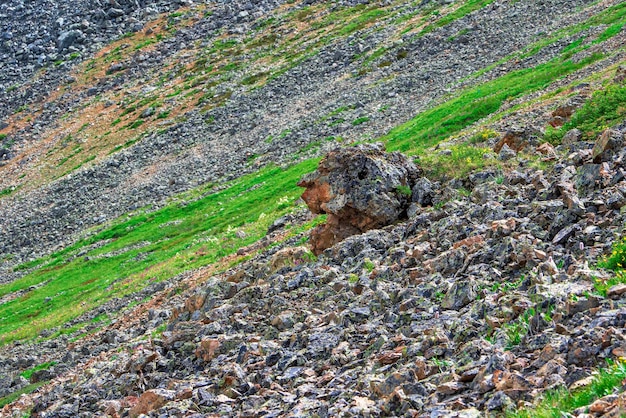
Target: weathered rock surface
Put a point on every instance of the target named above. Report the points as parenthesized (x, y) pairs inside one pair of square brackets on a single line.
[(359, 188), (483, 299)]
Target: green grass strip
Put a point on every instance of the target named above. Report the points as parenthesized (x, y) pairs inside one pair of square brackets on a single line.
[(557, 402), (15, 395), (449, 118), (146, 248), (467, 8), (27, 374)]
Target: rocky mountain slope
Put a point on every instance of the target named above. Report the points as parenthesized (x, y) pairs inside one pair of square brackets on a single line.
[(153, 249)]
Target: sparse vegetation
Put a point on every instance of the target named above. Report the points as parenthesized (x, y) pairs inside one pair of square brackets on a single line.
[(616, 262), (559, 402), (404, 190), (359, 121), (606, 108), (457, 161)]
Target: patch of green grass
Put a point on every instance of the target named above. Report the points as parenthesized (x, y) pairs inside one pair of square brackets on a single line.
[(404, 190), (163, 115), (473, 104), (606, 108), (616, 261), (361, 21), (77, 150), (26, 374), (574, 45), (223, 44), (148, 247), (144, 44), (159, 330), (559, 402), (516, 330), (374, 56), (15, 395), (29, 265), (7, 191), (359, 121), (252, 79), (610, 32), (460, 161), (467, 8), (136, 124), (482, 136)]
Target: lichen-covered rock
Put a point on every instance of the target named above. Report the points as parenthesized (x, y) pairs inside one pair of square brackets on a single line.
[(360, 188)]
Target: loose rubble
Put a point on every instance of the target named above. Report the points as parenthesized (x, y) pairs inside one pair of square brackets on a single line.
[(473, 305), (472, 297)]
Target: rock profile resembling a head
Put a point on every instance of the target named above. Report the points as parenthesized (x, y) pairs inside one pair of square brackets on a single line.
[(359, 188)]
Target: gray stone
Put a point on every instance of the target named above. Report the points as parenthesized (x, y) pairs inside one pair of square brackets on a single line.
[(69, 38), (460, 294), (423, 192), (359, 188), (506, 153)]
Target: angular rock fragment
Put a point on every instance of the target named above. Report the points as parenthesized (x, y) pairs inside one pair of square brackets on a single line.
[(609, 140), (151, 400), (360, 188), (516, 139)]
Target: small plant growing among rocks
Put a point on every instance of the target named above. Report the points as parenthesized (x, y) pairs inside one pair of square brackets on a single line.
[(404, 190)]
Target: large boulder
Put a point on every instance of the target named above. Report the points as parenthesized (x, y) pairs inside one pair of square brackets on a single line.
[(360, 188)]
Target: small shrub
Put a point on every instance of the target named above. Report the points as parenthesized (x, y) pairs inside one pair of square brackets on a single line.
[(616, 261), (404, 190), (360, 120), (483, 136)]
